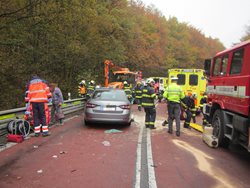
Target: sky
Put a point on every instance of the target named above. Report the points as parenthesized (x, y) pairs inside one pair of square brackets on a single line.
[(223, 19)]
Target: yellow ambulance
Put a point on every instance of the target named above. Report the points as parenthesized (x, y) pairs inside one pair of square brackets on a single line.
[(191, 81)]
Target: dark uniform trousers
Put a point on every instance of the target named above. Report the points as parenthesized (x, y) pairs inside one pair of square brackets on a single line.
[(174, 113), (38, 113), (150, 117), (188, 118)]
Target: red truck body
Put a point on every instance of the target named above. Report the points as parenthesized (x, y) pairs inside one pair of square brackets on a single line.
[(228, 90)]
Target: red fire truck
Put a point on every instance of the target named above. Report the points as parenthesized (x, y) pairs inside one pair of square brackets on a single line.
[(228, 90)]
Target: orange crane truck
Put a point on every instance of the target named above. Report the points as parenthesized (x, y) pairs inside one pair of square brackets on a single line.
[(119, 75)]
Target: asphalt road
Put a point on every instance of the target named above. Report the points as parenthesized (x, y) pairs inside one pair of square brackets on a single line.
[(76, 155)]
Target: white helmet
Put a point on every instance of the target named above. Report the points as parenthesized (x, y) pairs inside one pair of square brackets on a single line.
[(92, 82), (194, 95), (174, 78), (125, 82), (150, 80), (83, 82)]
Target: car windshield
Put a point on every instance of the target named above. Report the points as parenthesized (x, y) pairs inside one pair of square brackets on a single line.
[(116, 95)]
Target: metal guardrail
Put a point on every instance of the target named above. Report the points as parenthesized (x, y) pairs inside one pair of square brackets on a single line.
[(69, 106)]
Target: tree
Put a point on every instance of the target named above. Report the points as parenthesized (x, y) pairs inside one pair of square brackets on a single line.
[(247, 34)]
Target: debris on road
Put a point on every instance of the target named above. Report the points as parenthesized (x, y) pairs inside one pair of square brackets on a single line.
[(63, 152), (112, 131), (35, 147), (55, 156), (40, 171), (106, 143)]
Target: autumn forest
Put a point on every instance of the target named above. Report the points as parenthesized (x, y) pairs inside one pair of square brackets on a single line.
[(65, 41)]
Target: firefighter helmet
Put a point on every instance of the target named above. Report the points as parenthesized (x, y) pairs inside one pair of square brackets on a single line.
[(83, 82), (150, 80), (92, 82), (194, 95), (125, 82)]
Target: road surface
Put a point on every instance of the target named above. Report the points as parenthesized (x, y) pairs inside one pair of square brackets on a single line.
[(76, 155)]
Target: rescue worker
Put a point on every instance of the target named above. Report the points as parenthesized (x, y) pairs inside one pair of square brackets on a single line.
[(57, 101), (189, 106), (138, 94), (37, 95), (90, 89), (173, 94), (82, 90), (148, 96), (202, 102), (128, 91)]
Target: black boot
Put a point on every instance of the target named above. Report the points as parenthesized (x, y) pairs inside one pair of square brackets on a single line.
[(152, 127), (164, 123), (178, 133), (186, 125)]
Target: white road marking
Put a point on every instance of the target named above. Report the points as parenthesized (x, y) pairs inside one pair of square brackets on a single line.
[(138, 160), (151, 170)]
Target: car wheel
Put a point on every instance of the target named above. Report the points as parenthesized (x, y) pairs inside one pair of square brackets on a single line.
[(218, 128), (86, 123), (129, 123)]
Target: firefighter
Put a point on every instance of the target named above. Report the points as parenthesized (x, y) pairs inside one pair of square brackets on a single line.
[(82, 90), (188, 104), (148, 96), (90, 89), (37, 95), (202, 102), (174, 94), (138, 94), (128, 91)]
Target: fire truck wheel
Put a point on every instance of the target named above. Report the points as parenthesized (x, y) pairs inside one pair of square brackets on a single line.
[(218, 124)]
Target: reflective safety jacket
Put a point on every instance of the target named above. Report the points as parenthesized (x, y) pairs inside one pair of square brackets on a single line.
[(138, 91), (189, 104), (128, 91), (203, 101), (82, 89), (38, 91), (90, 89), (174, 93), (148, 96)]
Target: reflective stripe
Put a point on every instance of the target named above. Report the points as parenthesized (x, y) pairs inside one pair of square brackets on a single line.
[(151, 123), (37, 129), (147, 104), (37, 91), (148, 96), (232, 91), (38, 99)]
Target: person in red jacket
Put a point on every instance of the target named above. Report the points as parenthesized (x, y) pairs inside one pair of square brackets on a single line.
[(38, 93)]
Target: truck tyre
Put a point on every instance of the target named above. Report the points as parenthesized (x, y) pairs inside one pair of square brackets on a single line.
[(218, 124)]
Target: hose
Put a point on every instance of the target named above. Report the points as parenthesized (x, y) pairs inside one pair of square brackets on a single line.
[(19, 126)]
